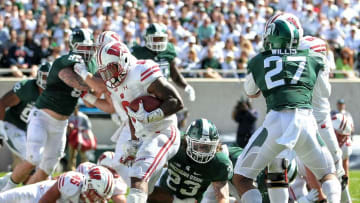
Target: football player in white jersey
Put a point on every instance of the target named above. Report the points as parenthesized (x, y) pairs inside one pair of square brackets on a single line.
[(95, 186), (343, 126), (156, 131), (109, 105)]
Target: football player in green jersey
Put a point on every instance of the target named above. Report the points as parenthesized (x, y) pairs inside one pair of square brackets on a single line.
[(162, 52), (46, 132), (15, 107), (286, 77), (198, 163)]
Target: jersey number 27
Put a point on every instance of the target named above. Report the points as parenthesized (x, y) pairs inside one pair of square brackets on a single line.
[(270, 83)]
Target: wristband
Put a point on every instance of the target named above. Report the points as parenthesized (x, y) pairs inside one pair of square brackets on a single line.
[(155, 115)]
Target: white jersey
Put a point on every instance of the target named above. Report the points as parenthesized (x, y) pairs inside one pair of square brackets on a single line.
[(321, 105), (69, 186), (140, 76)]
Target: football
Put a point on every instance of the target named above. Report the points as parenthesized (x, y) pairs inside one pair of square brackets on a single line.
[(150, 103)]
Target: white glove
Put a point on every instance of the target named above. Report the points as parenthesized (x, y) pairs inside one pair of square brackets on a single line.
[(189, 90), (81, 70), (130, 149), (2, 130), (86, 96), (146, 117), (312, 196)]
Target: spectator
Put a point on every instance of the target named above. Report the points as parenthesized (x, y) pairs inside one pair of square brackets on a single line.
[(345, 64), (4, 32), (333, 34), (80, 138), (43, 51), (206, 31), (229, 66), (353, 40), (20, 58), (190, 63), (246, 118), (210, 64)]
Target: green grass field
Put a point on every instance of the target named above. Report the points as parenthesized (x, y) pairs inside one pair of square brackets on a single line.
[(354, 185)]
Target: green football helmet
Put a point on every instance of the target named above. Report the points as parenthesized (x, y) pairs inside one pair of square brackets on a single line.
[(82, 43), (281, 34), (156, 37), (202, 139), (42, 74)]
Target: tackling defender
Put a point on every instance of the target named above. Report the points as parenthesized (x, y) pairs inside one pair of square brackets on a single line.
[(46, 132), (198, 163), (158, 137), (286, 77), (158, 48)]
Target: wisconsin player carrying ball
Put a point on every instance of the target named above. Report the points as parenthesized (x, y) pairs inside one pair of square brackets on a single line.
[(156, 132)]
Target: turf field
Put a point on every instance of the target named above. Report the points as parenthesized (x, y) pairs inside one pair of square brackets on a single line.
[(354, 185)]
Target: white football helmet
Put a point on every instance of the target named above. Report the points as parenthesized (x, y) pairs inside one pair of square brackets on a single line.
[(85, 167), (113, 60), (106, 159), (342, 124), (98, 185), (314, 43), (106, 37), (292, 19)]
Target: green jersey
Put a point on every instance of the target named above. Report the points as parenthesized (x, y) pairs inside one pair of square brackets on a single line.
[(58, 96), (188, 179), (286, 78), (163, 58), (28, 92)]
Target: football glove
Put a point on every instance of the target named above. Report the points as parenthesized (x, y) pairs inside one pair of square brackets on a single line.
[(312, 196), (130, 149), (189, 90), (146, 117)]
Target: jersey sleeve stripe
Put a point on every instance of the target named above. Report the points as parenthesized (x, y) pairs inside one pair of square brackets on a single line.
[(156, 70), (149, 69), (108, 185), (317, 46), (161, 154)]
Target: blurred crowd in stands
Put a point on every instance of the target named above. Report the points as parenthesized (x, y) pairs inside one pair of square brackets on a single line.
[(217, 34)]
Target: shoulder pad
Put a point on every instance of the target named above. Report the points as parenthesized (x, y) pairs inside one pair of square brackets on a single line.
[(70, 183)]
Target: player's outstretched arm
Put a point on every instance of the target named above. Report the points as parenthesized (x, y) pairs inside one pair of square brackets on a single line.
[(221, 189), (164, 91), (51, 195), (72, 79), (181, 82), (176, 76)]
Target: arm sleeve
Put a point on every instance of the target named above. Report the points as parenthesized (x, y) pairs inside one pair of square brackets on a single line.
[(250, 86), (322, 85), (224, 168), (150, 71)]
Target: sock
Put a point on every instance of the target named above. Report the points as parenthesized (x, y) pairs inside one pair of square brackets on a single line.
[(251, 196), (136, 196), (9, 185), (332, 190), (279, 195), (345, 195)]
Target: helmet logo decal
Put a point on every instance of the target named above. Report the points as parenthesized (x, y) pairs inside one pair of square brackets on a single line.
[(95, 174), (114, 50), (293, 21)]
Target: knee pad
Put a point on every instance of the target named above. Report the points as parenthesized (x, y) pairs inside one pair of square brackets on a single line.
[(277, 173), (33, 154), (48, 165)]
